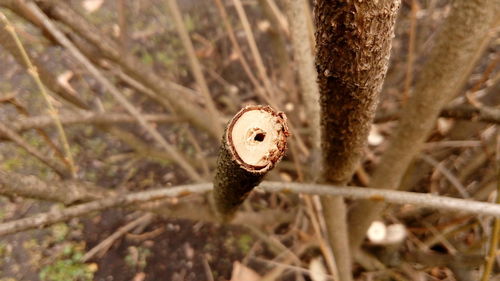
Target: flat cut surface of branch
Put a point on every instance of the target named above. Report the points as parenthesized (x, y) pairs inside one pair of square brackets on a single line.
[(254, 141)]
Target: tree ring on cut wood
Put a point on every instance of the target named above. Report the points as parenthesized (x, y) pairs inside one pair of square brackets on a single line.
[(256, 137)]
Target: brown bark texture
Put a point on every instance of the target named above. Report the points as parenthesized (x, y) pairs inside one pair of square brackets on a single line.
[(456, 46), (353, 43), (234, 178)]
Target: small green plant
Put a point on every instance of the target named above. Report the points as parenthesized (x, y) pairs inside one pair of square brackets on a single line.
[(137, 257), (69, 267), (245, 243)]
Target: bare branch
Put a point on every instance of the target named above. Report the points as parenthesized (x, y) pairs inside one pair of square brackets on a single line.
[(455, 51), (463, 112), (104, 245), (60, 11), (53, 112), (16, 138), (303, 55), (195, 64), (67, 192), (61, 38), (388, 196), (86, 117)]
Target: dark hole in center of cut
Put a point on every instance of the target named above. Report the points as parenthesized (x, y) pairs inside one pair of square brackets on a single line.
[(259, 137)]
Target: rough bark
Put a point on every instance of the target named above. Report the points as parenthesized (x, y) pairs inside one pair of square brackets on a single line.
[(353, 42), (467, 23), (237, 174)]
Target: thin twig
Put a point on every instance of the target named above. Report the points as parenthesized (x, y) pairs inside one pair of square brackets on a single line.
[(208, 270), (104, 245), (411, 49), (389, 196), (85, 117), (253, 48), (51, 109), (122, 10), (23, 111), (232, 37), (291, 267), (194, 63), (63, 40), (108, 49), (463, 112), (495, 232), (323, 244), (448, 174), (13, 136)]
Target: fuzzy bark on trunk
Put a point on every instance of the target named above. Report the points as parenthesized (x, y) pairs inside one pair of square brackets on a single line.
[(353, 43), (253, 142), (467, 24)]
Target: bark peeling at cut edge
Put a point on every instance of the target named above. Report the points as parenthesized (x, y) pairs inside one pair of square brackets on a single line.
[(235, 177)]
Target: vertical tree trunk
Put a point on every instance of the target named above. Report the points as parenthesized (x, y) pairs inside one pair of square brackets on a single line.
[(456, 46), (353, 43)]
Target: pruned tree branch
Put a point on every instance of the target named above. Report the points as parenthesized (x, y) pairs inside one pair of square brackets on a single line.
[(253, 142)]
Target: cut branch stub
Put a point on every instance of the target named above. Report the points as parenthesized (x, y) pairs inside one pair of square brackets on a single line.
[(253, 142)]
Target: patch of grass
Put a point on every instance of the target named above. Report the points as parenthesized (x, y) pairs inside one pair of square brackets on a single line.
[(60, 231), (137, 257), (245, 243), (69, 267)]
